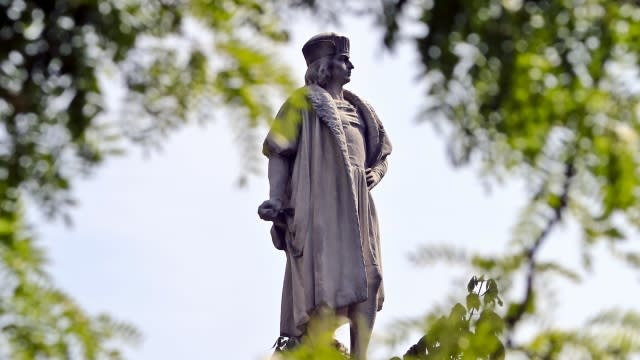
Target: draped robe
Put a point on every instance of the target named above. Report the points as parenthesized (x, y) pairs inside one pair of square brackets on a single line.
[(322, 235)]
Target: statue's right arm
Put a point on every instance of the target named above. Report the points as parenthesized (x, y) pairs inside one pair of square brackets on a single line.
[(278, 176), (280, 147)]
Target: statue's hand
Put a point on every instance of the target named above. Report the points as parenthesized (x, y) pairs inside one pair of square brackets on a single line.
[(372, 178), (269, 209)]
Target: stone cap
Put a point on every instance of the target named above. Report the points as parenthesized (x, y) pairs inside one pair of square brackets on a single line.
[(323, 45)]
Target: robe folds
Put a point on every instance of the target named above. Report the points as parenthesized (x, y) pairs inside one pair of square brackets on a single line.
[(322, 234)]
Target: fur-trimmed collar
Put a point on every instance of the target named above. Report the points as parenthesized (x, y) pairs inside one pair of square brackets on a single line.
[(378, 146), (326, 110)]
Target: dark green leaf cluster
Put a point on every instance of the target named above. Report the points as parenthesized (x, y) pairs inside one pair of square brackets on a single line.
[(58, 55), (173, 60), (61, 62), (528, 87), (50, 97), (542, 91)]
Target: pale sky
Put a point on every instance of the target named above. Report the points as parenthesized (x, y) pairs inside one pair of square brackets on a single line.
[(169, 243)]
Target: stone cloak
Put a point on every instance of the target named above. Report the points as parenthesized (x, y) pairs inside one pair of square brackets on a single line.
[(325, 263)]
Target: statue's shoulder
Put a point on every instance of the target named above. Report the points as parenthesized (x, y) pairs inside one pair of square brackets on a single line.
[(300, 92), (317, 99), (357, 101), (298, 99)]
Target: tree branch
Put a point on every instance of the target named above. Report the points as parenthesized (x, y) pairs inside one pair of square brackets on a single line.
[(512, 320)]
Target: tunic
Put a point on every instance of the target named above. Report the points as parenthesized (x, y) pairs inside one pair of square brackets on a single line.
[(355, 134), (354, 130)]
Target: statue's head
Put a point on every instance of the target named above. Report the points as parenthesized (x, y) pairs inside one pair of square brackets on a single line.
[(327, 57)]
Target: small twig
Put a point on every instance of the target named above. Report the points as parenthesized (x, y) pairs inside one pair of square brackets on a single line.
[(486, 288)]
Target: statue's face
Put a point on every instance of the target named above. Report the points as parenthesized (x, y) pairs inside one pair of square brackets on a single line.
[(341, 69)]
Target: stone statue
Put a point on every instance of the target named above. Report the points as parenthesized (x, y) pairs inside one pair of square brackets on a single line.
[(324, 158)]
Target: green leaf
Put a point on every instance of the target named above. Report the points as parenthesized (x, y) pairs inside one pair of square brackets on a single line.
[(491, 293), (472, 284), (490, 322), (473, 301)]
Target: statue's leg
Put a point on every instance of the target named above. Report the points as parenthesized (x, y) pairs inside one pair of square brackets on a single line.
[(323, 324), (362, 317)]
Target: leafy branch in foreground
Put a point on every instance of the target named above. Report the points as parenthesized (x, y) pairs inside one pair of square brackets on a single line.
[(170, 62), (618, 333), (544, 92), (471, 332), (524, 87), (38, 320), (66, 67)]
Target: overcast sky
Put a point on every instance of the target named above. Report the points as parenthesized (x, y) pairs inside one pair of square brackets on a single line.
[(171, 244)]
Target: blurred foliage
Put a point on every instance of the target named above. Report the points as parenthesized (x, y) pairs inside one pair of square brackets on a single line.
[(38, 320), (612, 334), (80, 79), (527, 87), (541, 90), (173, 61), (545, 91), (317, 343), (470, 332)]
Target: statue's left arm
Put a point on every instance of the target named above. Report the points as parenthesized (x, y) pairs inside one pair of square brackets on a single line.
[(376, 173), (378, 144)]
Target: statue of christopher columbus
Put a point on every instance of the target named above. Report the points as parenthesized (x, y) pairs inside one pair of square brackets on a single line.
[(327, 149)]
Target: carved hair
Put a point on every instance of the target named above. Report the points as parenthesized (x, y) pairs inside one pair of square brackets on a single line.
[(319, 71)]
